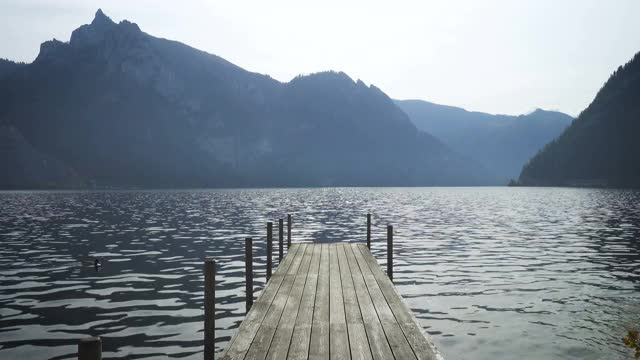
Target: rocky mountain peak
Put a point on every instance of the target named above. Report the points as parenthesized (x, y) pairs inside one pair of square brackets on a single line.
[(97, 31), (100, 19), (52, 50), (102, 33)]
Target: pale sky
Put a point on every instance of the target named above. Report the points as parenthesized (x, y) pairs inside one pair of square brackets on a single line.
[(498, 56)]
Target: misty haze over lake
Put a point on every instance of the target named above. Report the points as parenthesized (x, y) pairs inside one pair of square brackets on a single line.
[(495, 145)]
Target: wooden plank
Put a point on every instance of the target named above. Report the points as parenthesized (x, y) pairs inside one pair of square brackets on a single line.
[(397, 341), (379, 346), (209, 308), (330, 301), (261, 342), (288, 231), (269, 249), (369, 231), (338, 335), (280, 240), (390, 252), (240, 343), (282, 337), (320, 326), (90, 348), (422, 347), (248, 273), (301, 337), (358, 343)]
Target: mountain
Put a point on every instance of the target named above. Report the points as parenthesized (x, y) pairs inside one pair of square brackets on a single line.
[(501, 143), (8, 66), (23, 166), (600, 148), (116, 107)]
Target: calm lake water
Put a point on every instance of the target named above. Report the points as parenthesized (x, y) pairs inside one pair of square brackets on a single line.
[(491, 273)]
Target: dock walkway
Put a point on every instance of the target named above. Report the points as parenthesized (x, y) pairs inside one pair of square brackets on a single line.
[(329, 301)]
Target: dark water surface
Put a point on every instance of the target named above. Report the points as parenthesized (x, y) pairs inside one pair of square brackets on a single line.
[(491, 273)]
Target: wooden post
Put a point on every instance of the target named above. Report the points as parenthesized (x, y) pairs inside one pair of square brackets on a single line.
[(288, 231), (269, 249), (390, 251), (248, 270), (209, 308), (280, 240), (369, 231), (90, 348)]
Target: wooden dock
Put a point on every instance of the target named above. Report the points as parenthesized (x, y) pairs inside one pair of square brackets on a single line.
[(329, 301), (324, 301)]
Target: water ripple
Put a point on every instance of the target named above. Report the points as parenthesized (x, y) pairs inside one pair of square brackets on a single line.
[(493, 272)]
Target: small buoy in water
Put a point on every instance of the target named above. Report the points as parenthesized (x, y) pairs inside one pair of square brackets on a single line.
[(96, 263)]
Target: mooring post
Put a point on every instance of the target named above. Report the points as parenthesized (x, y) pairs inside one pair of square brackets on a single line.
[(269, 249), (288, 231), (90, 348), (209, 308), (280, 240), (369, 231), (390, 251), (248, 269)]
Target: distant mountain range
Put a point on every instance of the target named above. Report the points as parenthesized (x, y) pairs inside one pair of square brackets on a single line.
[(116, 107), (601, 146), (500, 143)]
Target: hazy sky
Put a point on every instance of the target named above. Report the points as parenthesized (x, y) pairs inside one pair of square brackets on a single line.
[(495, 56)]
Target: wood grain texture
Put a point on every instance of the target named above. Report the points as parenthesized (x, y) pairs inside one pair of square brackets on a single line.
[(358, 342), (282, 338), (422, 348), (264, 336), (319, 346), (240, 343), (301, 337), (330, 301)]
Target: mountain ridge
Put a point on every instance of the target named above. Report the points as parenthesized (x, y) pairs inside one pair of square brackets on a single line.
[(501, 143), (599, 148), (121, 108)]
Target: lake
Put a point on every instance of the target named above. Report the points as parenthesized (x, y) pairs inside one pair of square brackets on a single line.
[(490, 273)]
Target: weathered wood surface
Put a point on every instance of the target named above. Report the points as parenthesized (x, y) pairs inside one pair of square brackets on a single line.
[(329, 301)]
